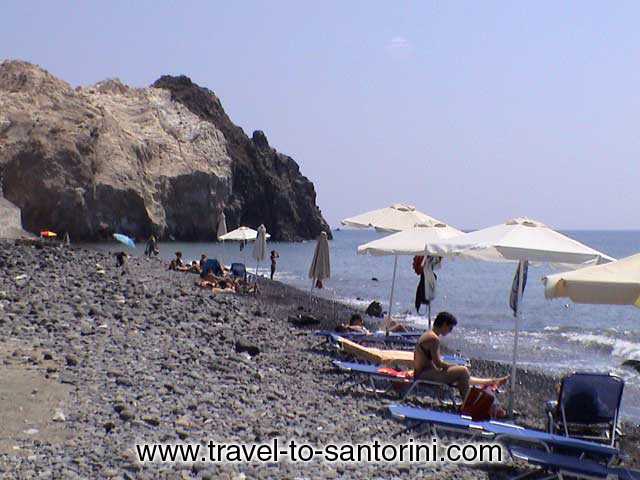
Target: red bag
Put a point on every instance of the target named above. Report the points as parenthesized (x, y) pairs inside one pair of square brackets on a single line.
[(417, 264), (479, 403)]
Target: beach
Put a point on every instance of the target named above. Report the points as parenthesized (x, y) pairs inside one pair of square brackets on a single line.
[(102, 360)]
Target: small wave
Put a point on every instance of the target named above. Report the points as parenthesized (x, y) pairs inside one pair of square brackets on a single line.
[(624, 349)]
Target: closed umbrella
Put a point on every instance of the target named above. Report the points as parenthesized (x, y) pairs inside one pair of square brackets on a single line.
[(321, 264), (522, 240), (260, 246), (408, 242), (222, 225), (124, 239), (396, 218), (221, 231), (615, 283)]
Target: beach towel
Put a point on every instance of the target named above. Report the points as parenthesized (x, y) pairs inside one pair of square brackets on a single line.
[(376, 355)]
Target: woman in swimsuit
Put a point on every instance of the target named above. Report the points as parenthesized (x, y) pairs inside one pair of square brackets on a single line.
[(428, 363)]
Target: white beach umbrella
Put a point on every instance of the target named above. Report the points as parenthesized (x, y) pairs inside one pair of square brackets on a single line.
[(260, 246), (521, 240), (615, 283), (242, 234), (320, 268), (409, 242), (395, 218)]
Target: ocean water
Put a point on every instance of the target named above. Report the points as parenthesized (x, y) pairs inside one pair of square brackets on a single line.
[(556, 336)]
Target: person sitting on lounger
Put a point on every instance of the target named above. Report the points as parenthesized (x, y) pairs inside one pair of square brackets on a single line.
[(356, 324), (428, 363)]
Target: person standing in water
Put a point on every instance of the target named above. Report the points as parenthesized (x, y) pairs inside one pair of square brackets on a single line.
[(274, 257)]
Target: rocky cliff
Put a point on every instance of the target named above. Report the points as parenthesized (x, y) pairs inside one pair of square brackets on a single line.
[(163, 159)]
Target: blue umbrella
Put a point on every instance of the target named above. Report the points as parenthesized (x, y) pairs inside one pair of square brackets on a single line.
[(124, 239)]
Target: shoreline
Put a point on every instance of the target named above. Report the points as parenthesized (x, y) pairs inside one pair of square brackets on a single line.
[(147, 356)]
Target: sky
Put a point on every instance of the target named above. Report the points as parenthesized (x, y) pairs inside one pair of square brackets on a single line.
[(474, 112)]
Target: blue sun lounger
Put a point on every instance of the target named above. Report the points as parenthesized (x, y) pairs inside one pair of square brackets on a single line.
[(372, 374), (561, 465), (505, 432)]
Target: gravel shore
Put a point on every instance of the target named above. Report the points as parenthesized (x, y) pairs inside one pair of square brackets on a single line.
[(110, 359)]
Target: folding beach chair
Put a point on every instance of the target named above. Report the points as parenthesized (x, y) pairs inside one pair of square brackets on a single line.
[(211, 265), (505, 432), (383, 380), (560, 465), (588, 407), (238, 270)]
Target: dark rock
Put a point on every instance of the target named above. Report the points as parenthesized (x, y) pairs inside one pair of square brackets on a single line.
[(71, 360), (303, 320), (243, 345), (374, 309), (632, 364)]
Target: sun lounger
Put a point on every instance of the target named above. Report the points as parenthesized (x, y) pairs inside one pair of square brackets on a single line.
[(500, 431), (559, 465), (401, 339), (405, 386), (587, 401)]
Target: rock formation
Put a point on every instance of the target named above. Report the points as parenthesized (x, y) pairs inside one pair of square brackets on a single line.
[(94, 160)]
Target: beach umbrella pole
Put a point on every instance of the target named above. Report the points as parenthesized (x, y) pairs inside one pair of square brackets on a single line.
[(393, 286), (515, 339)]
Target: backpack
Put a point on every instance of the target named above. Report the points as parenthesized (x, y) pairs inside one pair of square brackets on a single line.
[(480, 404)]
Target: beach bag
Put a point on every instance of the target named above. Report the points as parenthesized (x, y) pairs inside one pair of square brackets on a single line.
[(418, 261), (480, 404)]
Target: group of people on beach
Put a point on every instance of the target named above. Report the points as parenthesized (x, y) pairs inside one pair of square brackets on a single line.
[(427, 358)]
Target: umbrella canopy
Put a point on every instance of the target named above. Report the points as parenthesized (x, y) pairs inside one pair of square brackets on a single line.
[(395, 218), (615, 283), (411, 241), (321, 263), (242, 233), (222, 225), (522, 240), (260, 246), (519, 239), (124, 239), (48, 234)]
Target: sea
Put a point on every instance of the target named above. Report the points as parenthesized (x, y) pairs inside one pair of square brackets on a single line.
[(556, 336)]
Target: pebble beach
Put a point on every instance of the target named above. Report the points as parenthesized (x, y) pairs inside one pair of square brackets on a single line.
[(97, 360)]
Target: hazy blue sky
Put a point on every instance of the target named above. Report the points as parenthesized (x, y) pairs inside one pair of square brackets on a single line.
[(475, 111)]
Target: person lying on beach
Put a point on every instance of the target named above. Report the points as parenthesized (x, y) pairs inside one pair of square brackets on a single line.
[(356, 324), (428, 363), (390, 325), (194, 268)]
